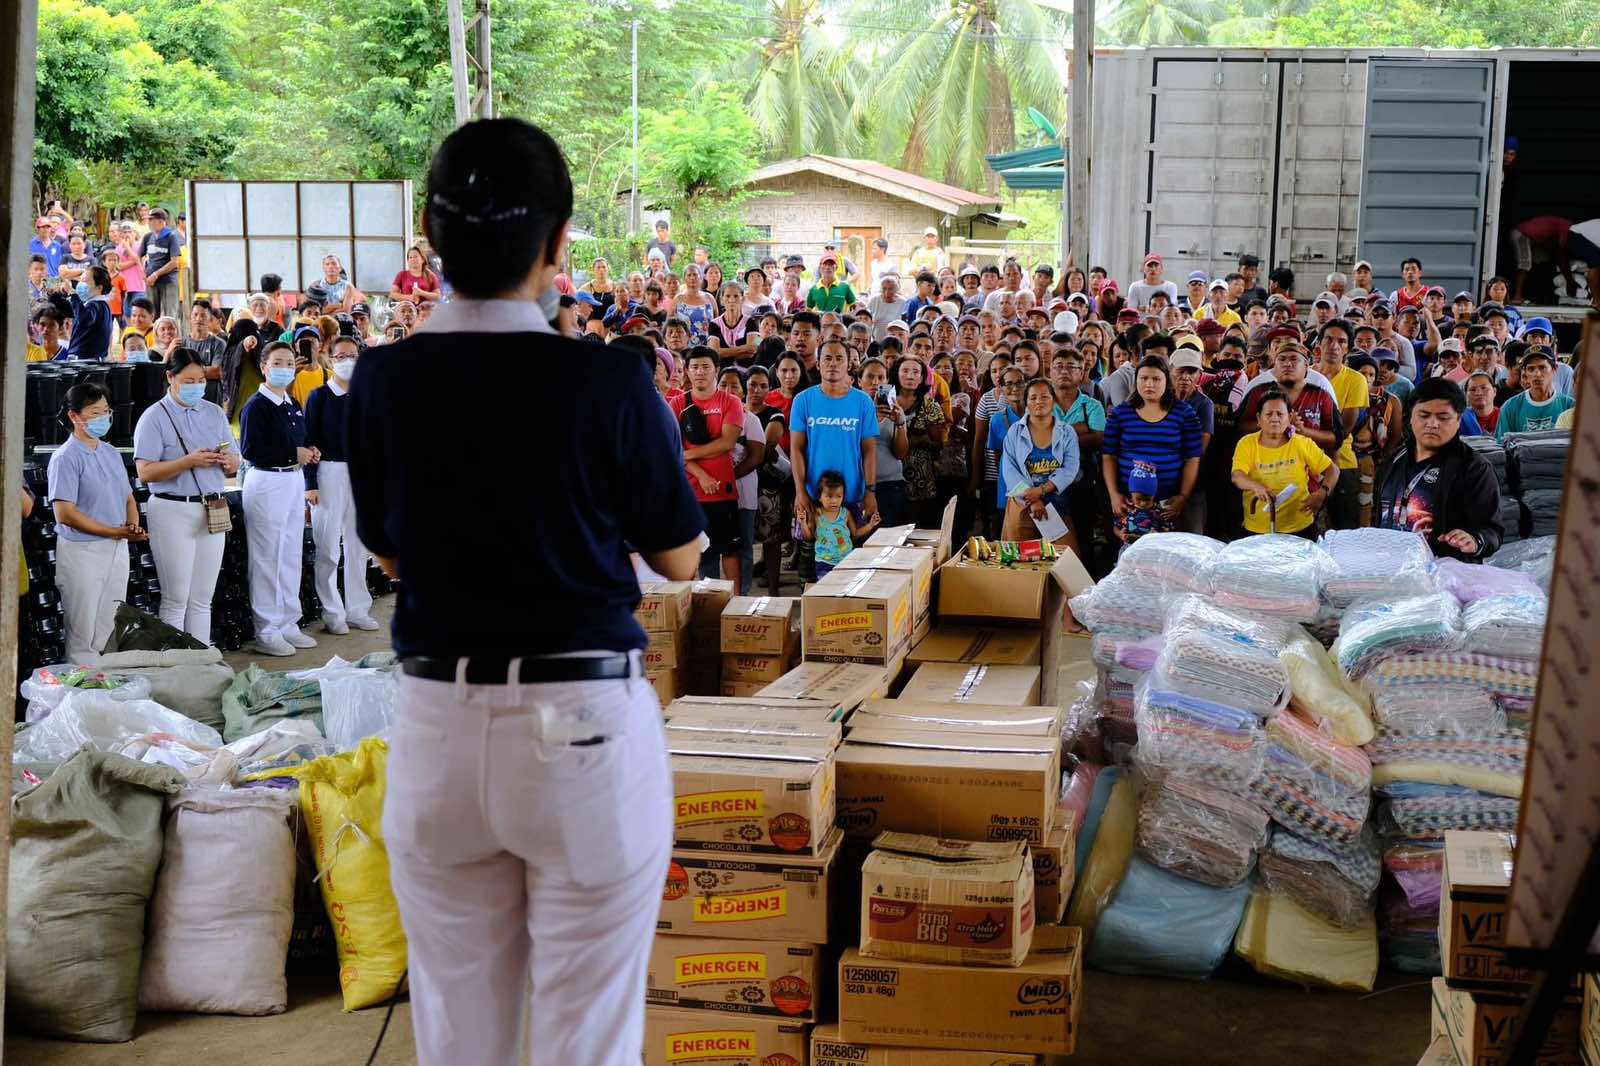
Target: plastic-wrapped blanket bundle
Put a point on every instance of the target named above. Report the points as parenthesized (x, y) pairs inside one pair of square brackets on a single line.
[(1425, 812), (1510, 624), (1376, 563), (1322, 696), (1460, 710), (1171, 561), (1312, 793), (1408, 905), (1224, 657), (1537, 462), (1194, 738), (1471, 582), (1201, 833), (1430, 670), (1492, 763), (1374, 629), (1135, 649), (1272, 575), (1281, 939), (1335, 885), (1117, 602), (1535, 557), (1165, 925)]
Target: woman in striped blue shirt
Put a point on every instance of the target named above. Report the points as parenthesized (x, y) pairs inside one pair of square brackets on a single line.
[(1152, 427)]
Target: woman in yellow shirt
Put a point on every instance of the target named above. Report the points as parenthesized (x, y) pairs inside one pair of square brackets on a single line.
[(1274, 470)]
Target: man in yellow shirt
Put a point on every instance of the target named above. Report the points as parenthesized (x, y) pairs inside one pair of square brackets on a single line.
[(1274, 468), (930, 256), (1350, 393), (1216, 308)]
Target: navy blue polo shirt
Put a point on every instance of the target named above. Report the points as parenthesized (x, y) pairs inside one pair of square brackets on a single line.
[(508, 471)]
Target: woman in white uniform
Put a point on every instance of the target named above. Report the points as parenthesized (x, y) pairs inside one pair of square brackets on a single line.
[(184, 452), (272, 436), (96, 516), (333, 512)]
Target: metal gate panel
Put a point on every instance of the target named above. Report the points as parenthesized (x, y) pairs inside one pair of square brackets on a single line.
[(1319, 170), (1425, 168)]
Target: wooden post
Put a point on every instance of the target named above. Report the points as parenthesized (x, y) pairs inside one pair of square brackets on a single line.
[(1081, 127), (458, 63), (19, 24)]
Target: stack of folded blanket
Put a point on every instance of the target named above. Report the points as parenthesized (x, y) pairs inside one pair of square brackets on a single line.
[(1194, 738), (1215, 667), (1408, 905), (1535, 557), (1272, 575), (1428, 670), (1509, 624), (1492, 763), (1373, 630), (1422, 812), (1200, 832), (1174, 561), (1537, 461), (1376, 564), (1493, 453), (1119, 603), (1337, 885), (1541, 512), (1471, 582), (1511, 522), (1455, 709), (1312, 786)]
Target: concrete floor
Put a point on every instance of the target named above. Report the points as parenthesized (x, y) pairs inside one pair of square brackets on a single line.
[(1235, 1018)]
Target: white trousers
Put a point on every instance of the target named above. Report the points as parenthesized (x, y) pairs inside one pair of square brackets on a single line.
[(274, 523), (188, 559), (517, 857), (92, 576), (333, 520)]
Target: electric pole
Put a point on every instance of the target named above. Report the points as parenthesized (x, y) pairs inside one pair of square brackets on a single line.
[(633, 196), (1075, 237), (471, 102)]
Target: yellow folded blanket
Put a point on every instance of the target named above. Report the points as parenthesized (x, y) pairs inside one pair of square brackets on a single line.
[(1282, 939)]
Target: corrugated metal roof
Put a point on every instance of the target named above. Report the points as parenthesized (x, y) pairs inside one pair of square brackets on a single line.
[(877, 175)]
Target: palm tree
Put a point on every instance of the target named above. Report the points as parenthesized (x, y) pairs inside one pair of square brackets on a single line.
[(1156, 22), (952, 76), (801, 87)]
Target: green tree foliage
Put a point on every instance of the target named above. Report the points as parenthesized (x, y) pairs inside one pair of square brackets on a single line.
[(801, 86), (699, 154), (1379, 23)]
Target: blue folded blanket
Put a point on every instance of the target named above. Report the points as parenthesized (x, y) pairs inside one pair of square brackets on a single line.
[(1163, 925)]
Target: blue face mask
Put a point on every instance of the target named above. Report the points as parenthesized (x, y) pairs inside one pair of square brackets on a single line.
[(140, 356), (83, 291), (191, 393), (98, 427), (280, 377)]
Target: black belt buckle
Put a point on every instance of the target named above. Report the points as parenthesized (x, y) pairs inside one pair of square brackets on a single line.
[(534, 670)]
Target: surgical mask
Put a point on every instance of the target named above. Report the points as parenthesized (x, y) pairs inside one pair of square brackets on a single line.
[(98, 427), (550, 304), (83, 291), (343, 368), (280, 377), (140, 356), (191, 393)]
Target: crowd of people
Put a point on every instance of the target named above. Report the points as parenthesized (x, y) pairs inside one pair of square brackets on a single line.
[(1067, 407), (1071, 407)]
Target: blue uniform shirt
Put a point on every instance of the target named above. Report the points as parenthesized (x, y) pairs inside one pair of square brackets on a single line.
[(94, 480), (271, 429), (156, 439)]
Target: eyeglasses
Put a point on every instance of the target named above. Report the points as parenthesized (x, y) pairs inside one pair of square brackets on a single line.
[(1011, 385)]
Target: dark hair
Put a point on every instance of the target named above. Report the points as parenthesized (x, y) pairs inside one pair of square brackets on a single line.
[(480, 215), (100, 277), (271, 347), (1283, 277), (271, 283), (699, 351), (1154, 341), (1273, 393), (810, 318), (85, 395), (923, 386), (49, 311), (1337, 323), (343, 338), (1437, 389), (1248, 260), (769, 351), (795, 359), (36, 258), (1154, 362), (758, 369), (140, 301), (732, 368), (927, 275), (1233, 340), (200, 302), (182, 358), (1028, 387), (990, 269), (1410, 259), (830, 479), (891, 344)]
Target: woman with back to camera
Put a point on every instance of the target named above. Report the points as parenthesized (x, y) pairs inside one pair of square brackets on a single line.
[(273, 440), (528, 814), (184, 453)]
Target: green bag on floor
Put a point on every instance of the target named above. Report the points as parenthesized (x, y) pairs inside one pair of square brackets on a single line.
[(85, 845), (258, 697)]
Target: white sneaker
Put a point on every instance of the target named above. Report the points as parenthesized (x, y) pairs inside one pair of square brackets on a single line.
[(365, 622), (338, 629), (297, 639), (273, 645)]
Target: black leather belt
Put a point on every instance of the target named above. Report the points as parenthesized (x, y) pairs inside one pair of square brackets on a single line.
[(495, 671), (278, 469), (178, 499)]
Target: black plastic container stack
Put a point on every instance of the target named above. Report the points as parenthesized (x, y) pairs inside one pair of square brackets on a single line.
[(231, 627), (144, 587), (41, 640)]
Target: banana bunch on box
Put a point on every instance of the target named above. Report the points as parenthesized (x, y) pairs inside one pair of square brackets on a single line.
[(1010, 552)]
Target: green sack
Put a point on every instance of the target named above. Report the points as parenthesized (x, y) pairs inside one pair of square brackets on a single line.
[(136, 630), (85, 846), (258, 697)]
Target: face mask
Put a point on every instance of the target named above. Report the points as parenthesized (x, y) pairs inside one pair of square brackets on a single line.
[(191, 393), (280, 377), (550, 303), (140, 356), (98, 427), (83, 291), (344, 368)]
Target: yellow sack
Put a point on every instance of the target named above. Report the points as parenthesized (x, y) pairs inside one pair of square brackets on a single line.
[(1108, 862), (341, 797)]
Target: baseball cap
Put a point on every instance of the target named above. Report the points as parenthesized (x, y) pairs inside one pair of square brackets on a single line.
[(363, 309), (1537, 351), (1217, 284), (1109, 286), (1326, 298), (1357, 294), (1185, 358), (1385, 355), (1288, 329), (1209, 327), (1198, 275), (1381, 309), (1482, 339), (42, 221), (969, 271), (828, 257), (898, 323), (636, 320), (1152, 258), (1129, 314), (1434, 289), (1360, 360), (1142, 478), (1362, 263), (307, 330), (1080, 297), (1035, 310), (582, 297), (1537, 325), (931, 231), (1492, 310), (1512, 144), (1066, 322), (1462, 295), (794, 261), (1451, 344), (950, 309)]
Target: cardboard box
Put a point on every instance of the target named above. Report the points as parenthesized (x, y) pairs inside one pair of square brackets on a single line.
[(948, 783), (1053, 864), (1032, 1008), (710, 597), (667, 650), (750, 709), (740, 689), (1482, 1027), (736, 976), (757, 793), (953, 901), (916, 563), (828, 1048), (759, 625), (939, 540), (664, 605), (1013, 686), (842, 686), (974, 644), (742, 666), (1439, 1053), (696, 1038), (857, 616), (750, 897), (906, 713), (1589, 1027), (669, 684)]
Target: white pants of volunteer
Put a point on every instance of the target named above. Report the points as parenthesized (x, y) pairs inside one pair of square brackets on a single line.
[(517, 857), (92, 576), (334, 519), (274, 523), (188, 559)]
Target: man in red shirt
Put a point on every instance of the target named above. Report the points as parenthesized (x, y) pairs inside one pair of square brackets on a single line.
[(1541, 240), (1411, 293), (712, 421), (1312, 411)]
